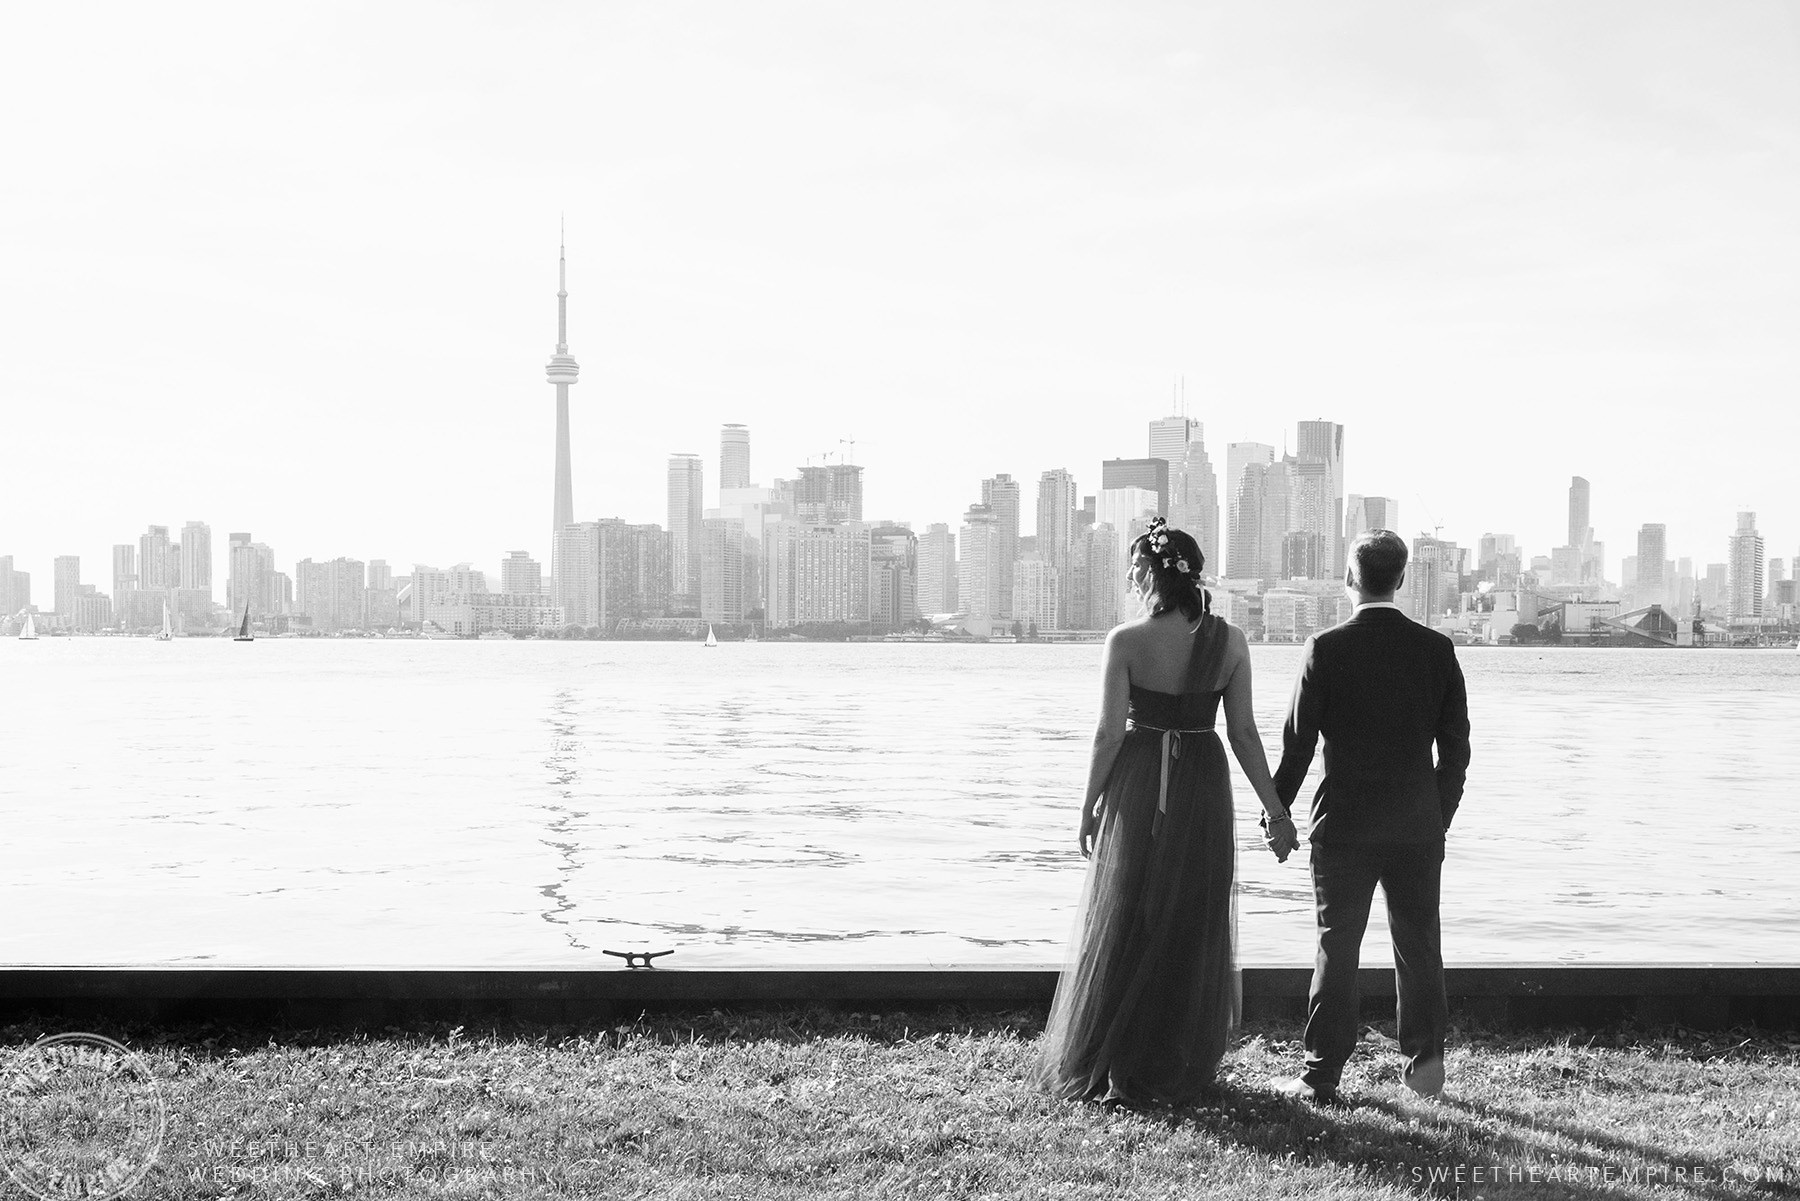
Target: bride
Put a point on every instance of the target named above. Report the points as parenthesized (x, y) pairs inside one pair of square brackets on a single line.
[(1150, 990)]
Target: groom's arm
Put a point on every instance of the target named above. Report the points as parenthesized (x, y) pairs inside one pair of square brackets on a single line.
[(1300, 733), (1453, 742)]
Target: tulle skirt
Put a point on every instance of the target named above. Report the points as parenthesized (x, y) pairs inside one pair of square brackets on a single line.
[(1150, 993)]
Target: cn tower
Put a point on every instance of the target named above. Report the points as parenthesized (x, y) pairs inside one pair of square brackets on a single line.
[(561, 372)]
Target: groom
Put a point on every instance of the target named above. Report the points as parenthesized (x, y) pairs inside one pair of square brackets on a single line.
[(1380, 689)]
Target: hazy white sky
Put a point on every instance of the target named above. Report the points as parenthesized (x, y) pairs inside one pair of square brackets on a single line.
[(291, 269)]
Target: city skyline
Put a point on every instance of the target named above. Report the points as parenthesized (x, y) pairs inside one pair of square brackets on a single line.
[(995, 252)]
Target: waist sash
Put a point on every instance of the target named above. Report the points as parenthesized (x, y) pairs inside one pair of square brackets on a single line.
[(1171, 751)]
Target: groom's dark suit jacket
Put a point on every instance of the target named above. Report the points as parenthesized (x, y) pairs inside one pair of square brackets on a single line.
[(1380, 689)]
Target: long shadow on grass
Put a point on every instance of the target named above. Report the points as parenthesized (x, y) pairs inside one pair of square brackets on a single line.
[(1450, 1149)]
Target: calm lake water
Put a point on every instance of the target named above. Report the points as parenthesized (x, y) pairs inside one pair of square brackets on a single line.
[(523, 803)]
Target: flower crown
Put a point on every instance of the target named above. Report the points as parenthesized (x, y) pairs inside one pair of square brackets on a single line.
[(1157, 539)]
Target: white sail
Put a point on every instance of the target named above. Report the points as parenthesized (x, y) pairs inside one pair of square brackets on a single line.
[(28, 632), (168, 630), (710, 640)]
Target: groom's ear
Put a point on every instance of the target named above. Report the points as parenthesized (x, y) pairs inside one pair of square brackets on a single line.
[(1401, 582), (1350, 577)]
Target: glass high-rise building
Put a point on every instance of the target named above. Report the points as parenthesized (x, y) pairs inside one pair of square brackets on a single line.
[(1653, 549), (734, 457), (1001, 494), (1243, 507), (1319, 488), (1744, 571), (937, 570), (197, 557), (687, 480)]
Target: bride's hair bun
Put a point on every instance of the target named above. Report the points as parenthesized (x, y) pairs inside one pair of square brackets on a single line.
[(1175, 561)]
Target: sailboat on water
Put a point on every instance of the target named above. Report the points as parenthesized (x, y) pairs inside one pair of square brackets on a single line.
[(710, 640), (28, 631), (244, 634), (168, 630)]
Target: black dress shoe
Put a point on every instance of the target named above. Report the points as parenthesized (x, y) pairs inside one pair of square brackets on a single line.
[(1426, 1077), (1300, 1090)]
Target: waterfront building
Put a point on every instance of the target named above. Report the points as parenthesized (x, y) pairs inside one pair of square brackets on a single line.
[(938, 591), (893, 577), (734, 458), (978, 570), (468, 614), (331, 594), (722, 570), (818, 573), (430, 586), (15, 588), (90, 610), (1745, 596), (1001, 494), (562, 372), (1652, 584), (196, 568), (382, 576), (618, 571), (250, 579), (520, 574), (1289, 615), (66, 582), (1152, 474), (1036, 592), (686, 483)]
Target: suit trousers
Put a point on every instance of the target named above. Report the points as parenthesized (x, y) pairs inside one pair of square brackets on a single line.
[(1344, 879)]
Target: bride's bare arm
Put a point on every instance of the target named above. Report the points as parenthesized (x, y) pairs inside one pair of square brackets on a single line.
[(1240, 720), (1109, 735)]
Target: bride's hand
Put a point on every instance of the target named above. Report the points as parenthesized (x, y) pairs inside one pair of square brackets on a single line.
[(1283, 838), (1090, 827)]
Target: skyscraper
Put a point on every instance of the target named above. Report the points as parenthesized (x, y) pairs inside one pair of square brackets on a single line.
[(1744, 580), (1055, 535), (197, 557), (1364, 513), (124, 571), (1169, 438), (561, 372), (1580, 528), (68, 584), (159, 568), (686, 484), (1194, 501), (1001, 494), (937, 570), (520, 575), (734, 458), (1653, 549), (1321, 487), (977, 568), (1243, 535)]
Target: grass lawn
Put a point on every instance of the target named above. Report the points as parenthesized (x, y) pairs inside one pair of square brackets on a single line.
[(805, 1103)]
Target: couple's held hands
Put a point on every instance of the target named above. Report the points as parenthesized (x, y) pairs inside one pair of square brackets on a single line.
[(1281, 836)]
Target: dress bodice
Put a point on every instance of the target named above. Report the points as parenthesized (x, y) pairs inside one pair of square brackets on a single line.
[(1171, 711)]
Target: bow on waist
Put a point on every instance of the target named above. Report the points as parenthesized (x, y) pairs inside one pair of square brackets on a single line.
[(1171, 751)]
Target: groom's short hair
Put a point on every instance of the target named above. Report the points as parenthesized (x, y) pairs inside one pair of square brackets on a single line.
[(1378, 557)]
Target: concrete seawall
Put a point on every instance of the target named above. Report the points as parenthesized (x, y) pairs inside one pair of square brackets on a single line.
[(1701, 995)]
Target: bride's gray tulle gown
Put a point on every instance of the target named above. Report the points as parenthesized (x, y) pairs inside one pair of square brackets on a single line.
[(1150, 992)]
